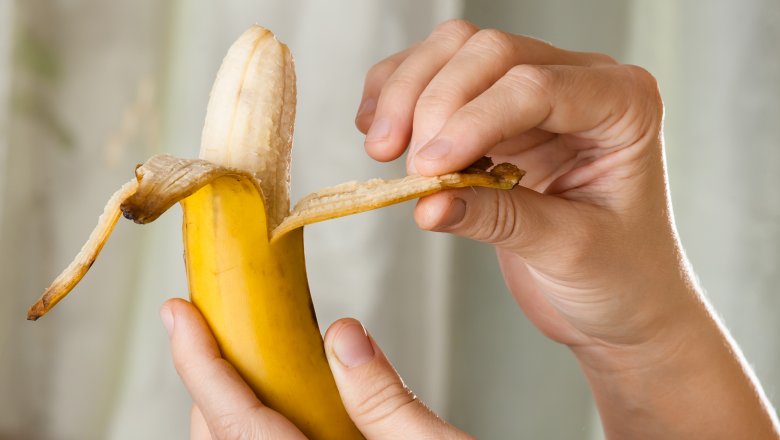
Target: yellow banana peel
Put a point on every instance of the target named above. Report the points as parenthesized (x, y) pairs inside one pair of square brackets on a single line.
[(243, 247)]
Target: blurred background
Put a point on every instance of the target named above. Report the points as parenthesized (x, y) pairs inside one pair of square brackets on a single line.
[(89, 88)]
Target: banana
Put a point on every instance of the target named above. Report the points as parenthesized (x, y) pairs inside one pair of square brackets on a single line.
[(243, 246)]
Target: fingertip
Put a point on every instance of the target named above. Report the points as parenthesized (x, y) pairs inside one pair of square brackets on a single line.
[(365, 114), (174, 304), (348, 343), (334, 328), (169, 310), (178, 309), (379, 138), (388, 135), (381, 131), (190, 333), (428, 210), (166, 316), (363, 122), (384, 151), (432, 167), (439, 212)]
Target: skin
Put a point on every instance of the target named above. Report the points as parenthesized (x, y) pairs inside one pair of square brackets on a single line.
[(588, 247)]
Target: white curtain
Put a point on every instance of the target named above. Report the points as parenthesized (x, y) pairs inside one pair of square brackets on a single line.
[(89, 88)]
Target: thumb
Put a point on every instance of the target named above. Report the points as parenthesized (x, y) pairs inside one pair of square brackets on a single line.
[(375, 397), (521, 220)]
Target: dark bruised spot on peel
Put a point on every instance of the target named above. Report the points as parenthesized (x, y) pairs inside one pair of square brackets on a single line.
[(127, 213)]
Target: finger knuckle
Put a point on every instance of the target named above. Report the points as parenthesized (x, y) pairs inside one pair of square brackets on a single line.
[(184, 366), (194, 369), (504, 227), (482, 119), (641, 76), (434, 101), (598, 58), (245, 425), (643, 80), (232, 427), (494, 41), (381, 69), (195, 372), (400, 83), (383, 404), (529, 79), (455, 28), (478, 116)]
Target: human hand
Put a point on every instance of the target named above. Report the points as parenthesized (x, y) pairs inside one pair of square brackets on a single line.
[(587, 246), (575, 243), (225, 407)]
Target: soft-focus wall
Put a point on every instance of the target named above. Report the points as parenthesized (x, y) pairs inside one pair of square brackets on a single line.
[(89, 88)]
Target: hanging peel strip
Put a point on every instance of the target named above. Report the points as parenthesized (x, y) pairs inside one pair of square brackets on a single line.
[(165, 180)]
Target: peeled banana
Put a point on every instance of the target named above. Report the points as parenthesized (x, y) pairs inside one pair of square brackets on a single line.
[(243, 247)]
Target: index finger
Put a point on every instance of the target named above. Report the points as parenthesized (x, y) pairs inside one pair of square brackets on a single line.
[(610, 107), (482, 61)]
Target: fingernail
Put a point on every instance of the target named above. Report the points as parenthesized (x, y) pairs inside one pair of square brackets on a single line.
[(437, 149), (454, 215), (366, 107), (379, 131), (352, 346), (167, 319)]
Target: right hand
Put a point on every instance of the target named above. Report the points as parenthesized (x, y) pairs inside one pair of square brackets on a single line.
[(587, 245)]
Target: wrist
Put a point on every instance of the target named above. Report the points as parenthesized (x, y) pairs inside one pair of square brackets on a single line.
[(669, 320), (686, 381)]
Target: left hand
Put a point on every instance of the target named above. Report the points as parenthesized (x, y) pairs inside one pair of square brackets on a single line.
[(224, 407)]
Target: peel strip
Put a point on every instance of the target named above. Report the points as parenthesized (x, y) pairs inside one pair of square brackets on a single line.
[(164, 180), (76, 270), (355, 197)]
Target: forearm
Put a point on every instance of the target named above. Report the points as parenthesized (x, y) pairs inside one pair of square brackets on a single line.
[(689, 381)]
